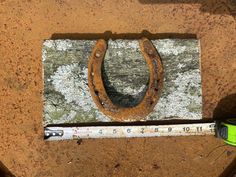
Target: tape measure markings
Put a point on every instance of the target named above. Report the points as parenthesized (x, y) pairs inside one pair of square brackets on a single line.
[(65, 133)]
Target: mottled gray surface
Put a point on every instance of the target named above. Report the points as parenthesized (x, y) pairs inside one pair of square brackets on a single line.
[(125, 74)]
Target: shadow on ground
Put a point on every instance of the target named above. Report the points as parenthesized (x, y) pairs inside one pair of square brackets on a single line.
[(230, 171), (4, 172), (109, 35), (226, 108), (209, 6)]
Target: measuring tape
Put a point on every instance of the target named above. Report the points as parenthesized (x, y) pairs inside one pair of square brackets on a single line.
[(225, 130)]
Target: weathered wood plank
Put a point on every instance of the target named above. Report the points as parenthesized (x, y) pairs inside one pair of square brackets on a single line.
[(125, 73)]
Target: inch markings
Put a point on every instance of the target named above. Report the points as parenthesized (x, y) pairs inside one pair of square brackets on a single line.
[(129, 131)]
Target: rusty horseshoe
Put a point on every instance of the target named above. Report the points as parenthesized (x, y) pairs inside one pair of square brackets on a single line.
[(98, 91)]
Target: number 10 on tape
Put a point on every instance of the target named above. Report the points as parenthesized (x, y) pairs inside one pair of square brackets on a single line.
[(62, 133)]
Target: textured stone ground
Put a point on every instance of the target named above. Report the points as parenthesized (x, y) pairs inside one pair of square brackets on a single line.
[(23, 27)]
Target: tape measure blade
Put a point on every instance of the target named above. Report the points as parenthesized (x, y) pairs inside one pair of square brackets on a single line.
[(63, 133)]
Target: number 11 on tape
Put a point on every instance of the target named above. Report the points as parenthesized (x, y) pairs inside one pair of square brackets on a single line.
[(63, 133)]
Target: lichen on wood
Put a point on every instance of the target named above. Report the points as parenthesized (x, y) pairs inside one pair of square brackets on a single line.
[(125, 75)]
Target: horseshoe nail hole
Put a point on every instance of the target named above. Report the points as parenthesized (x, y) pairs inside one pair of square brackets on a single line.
[(96, 92), (151, 103), (150, 52), (98, 54)]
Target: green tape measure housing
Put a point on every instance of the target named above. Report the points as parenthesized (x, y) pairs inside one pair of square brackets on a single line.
[(227, 131)]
